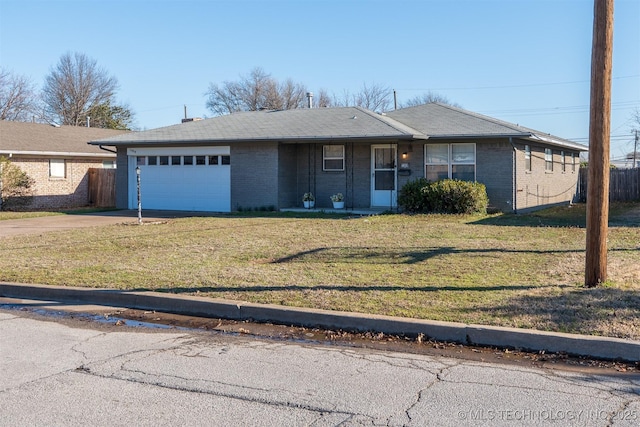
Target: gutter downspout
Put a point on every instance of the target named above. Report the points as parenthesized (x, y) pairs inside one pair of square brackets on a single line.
[(514, 181), (107, 149)]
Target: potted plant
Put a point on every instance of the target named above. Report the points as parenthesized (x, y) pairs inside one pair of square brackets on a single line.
[(308, 200), (338, 201)]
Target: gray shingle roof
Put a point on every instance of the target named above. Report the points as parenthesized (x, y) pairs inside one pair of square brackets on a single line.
[(38, 138), (437, 121), (282, 125), (444, 121)]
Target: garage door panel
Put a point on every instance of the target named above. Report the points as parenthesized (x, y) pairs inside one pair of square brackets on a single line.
[(184, 187)]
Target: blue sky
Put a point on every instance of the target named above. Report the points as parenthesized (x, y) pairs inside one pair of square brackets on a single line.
[(523, 61)]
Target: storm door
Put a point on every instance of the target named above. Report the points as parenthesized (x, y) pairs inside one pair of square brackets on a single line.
[(383, 175)]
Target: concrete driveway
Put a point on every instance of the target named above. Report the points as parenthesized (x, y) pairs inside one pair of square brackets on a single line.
[(18, 227)]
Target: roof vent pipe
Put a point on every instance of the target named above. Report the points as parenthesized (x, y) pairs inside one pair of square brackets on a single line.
[(310, 99)]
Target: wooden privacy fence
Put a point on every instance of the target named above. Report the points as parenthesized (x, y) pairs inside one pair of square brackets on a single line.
[(624, 185), (102, 187)]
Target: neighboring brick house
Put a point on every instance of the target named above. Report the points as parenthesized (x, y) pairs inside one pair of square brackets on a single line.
[(57, 158), (271, 158)]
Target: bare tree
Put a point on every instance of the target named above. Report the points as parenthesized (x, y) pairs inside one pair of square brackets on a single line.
[(17, 97), (75, 86), (323, 99), (635, 120), (427, 98), (293, 95), (257, 91), (345, 100), (224, 99), (373, 97)]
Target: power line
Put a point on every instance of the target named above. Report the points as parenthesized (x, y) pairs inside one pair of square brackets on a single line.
[(561, 110), (619, 137), (515, 86)]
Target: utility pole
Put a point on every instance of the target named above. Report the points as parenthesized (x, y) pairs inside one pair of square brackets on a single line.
[(599, 144), (635, 150)]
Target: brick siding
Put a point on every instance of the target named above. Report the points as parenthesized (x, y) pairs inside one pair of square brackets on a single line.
[(122, 179), (271, 174), (55, 193), (494, 169), (541, 188), (353, 182), (254, 175)]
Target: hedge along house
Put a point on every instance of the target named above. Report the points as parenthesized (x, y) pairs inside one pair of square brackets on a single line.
[(269, 159), (57, 158)]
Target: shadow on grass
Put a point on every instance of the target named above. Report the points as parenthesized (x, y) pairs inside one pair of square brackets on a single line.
[(600, 311), (383, 255), (343, 288), (620, 215), (531, 220)]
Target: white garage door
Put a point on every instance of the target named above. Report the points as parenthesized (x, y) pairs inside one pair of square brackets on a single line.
[(185, 179)]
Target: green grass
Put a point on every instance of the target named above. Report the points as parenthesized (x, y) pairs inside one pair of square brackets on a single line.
[(522, 271)]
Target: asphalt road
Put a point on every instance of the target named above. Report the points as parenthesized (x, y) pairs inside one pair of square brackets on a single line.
[(62, 371)]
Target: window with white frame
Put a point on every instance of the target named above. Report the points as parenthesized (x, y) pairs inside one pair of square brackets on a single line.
[(436, 162), (463, 162), (57, 168), (455, 161), (573, 162), (563, 163), (548, 160), (333, 157), (527, 158), (108, 164)]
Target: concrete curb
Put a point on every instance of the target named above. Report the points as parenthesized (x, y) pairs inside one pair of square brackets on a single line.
[(555, 342)]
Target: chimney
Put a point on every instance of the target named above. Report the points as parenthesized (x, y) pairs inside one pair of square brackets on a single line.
[(310, 99)]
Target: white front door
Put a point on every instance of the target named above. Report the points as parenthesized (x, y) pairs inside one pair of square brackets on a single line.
[(383, 175)]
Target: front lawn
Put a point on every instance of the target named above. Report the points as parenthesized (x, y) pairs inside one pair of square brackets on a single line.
[(522, 271)]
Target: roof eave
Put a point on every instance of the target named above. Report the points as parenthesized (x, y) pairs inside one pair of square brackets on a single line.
[(306, 139), (476, 136), (528, 136), (560, 143), (54, 153)]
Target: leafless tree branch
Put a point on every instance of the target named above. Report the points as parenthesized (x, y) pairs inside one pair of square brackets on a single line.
[(256, 91), (427, 98), (75, 86), (17, 97)]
